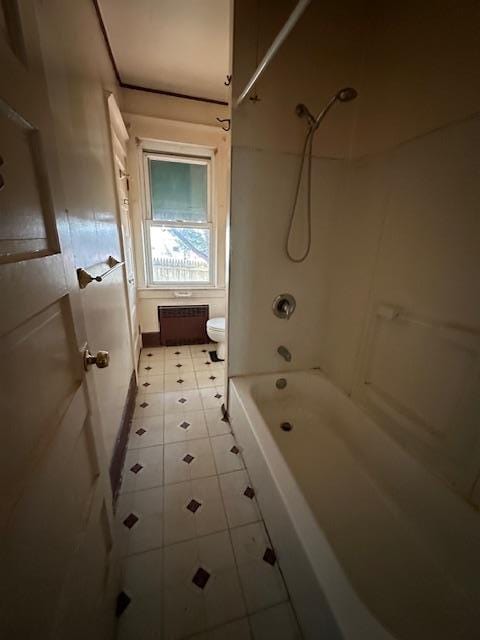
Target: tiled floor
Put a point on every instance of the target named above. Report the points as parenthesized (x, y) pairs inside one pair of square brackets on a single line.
[(197, 560)]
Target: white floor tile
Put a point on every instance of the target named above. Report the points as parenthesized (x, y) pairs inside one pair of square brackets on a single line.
[(185, 426), (262, 582), (180, 381), (182, 524), (182, 401), (142, 619), (143, 574), (212, 398), (151, 384), (238, 630), (177, 353), (145, 530), (277, 623), (215, 424), (178, 366), (143, 469), (151, 368), (148, 404), (149, 355), (204, 364), (146, 432), (184, 612), (201, 350), (240, 509), (209, 378), (227, 454), (188, 460), (222, 599)]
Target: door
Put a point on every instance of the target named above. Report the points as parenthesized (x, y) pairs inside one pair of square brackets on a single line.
[(56, 553), (119, 147)]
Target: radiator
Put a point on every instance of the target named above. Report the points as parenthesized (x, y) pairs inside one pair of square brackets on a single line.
[(183, 325)]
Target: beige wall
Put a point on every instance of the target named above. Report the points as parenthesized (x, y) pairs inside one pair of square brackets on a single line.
[(142, 127), (79, 75), (396, 230), (159, 106)]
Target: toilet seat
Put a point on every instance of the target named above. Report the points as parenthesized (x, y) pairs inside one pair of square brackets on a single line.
[(216, 332), (217, 324)]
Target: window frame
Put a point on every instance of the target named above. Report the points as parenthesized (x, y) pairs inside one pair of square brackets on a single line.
[(203, 157)]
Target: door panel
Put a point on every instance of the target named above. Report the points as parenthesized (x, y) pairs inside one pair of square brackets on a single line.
[(56, 516), (119, 148)]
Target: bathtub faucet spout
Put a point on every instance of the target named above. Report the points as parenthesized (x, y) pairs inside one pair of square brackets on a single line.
[(285, 353)]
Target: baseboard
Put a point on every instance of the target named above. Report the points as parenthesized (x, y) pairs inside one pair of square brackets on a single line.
[(120, 448), (151, 339)]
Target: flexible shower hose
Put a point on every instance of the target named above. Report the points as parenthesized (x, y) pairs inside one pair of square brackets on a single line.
[(306, 153)]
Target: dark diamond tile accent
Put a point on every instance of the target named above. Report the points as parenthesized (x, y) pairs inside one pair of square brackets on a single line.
[(212, 378), (249, 492), (146, 384), (235, 450), (177, 353), (201, 578), (218, 396), (123, 600), (204, 351), (140, 431), (188, 458), (182, 400), (269, 556), (136, 467), (149, 355), (179, 365), (209, 363), (144, 405), (180, 381), (193, 505), (148, 368), (130, 521), (184, 425)]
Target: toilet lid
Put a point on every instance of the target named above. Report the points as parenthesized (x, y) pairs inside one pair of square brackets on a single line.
[(216, 323)]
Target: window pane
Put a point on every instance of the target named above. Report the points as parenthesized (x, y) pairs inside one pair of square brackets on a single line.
[(180, 254), (178, 191)]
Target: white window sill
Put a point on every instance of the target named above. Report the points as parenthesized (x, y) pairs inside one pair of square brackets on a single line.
[(161, 292)]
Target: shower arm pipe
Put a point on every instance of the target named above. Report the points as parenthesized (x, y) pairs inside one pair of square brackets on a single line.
[(274, 47)]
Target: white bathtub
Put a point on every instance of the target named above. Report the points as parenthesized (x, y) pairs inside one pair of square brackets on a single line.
[(371, 544)]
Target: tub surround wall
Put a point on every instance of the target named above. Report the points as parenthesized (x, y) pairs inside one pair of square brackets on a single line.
[(80, 76), (267, 139), (143, 127), (406, 233)]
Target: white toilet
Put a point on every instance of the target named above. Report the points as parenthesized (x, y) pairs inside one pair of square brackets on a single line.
[(216, 332)]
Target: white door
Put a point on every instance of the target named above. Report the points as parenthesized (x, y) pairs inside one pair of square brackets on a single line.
[(57, 564), (119, 147)]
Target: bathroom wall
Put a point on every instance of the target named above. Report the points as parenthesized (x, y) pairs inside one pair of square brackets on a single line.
[(323, 54), (79, 76), (406, 234), (157, 105), (141, 127)]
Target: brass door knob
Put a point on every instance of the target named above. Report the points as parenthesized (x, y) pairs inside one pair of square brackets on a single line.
[(101, 360)]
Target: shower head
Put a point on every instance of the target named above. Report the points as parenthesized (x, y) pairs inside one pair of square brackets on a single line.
[(347, 94), (344, 95)]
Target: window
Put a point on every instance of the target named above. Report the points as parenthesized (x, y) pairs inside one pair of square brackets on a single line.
[(178, 224)]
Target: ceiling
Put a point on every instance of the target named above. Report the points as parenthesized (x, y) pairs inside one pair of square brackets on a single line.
[(182, 46)]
